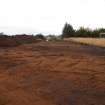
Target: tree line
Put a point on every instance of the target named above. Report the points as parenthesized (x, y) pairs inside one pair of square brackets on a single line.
[(69, 31)]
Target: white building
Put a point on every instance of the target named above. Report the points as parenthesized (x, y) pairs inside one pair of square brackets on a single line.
[(102, 35)]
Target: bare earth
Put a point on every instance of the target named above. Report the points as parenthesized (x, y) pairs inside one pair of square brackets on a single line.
[(52, 73)]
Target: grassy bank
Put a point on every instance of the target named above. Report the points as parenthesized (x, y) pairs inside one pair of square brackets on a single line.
[(90, 41)]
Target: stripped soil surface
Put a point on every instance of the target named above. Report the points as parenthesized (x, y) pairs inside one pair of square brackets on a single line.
[(52, 73)]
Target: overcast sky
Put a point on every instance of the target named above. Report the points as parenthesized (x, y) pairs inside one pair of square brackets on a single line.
[(49, 16)]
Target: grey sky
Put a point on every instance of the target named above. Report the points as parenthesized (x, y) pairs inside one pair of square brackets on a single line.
[(49, 16)]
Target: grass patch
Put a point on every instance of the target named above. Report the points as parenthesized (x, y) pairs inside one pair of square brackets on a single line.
[(100, 42)]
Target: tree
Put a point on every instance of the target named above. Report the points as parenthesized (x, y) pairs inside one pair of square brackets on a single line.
[(68, 31), (40, 36), (2, 35), (83, 32)]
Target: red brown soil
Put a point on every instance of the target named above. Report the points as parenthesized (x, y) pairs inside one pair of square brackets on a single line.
[(52, 73)]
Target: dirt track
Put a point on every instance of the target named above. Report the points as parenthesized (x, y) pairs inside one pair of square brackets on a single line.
[(52, 73)]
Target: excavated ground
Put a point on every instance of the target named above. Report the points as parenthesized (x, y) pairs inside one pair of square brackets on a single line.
[(52, 73)]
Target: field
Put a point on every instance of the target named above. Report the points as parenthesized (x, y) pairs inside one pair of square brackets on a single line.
[(52, 73), (90, 41)]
